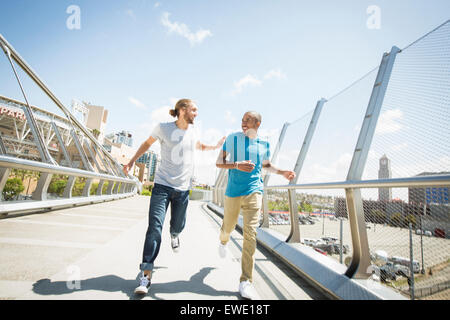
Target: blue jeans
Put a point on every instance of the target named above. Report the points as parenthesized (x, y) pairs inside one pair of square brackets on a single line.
[(159, 202)]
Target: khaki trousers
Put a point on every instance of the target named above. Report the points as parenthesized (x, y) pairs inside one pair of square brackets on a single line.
[(251, 207)]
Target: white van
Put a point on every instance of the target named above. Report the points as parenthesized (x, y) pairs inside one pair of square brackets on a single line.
[(309, 242), (406, 262)]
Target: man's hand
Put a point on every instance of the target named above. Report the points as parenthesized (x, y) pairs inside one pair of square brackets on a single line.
[(289, 174), (127, 168), (246, 166)]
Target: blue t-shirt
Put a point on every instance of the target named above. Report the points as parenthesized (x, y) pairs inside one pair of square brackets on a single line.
[(240, 147)]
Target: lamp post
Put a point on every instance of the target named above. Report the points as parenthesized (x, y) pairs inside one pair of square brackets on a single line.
[(421, 237)]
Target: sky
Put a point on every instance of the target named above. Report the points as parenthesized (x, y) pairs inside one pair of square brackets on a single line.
[(137, 58)]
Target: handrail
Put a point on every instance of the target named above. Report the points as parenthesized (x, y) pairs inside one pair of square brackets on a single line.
[(422, 181), (17, 163)]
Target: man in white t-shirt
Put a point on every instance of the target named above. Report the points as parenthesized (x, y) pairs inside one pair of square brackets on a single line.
[(172, 181)]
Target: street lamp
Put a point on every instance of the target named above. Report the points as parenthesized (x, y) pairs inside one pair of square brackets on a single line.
[(421, 237)]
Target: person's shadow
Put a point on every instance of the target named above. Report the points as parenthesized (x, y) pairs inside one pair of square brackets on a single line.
[(112, 283)]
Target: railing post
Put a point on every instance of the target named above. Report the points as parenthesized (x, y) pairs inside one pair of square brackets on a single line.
[(294, 236), (265, 222), (87, 188), (69, 187), (216, 186), (4, 175), (109, 189), (100, 187), (40, 193), (359, 267)]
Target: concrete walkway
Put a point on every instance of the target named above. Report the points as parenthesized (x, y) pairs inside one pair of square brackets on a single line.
[(93, 252)]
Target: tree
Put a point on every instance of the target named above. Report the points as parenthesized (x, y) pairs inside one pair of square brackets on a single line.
[(13, 188), (57, 184), (306, 207), (379, 216), (410, 218), (396, 219)]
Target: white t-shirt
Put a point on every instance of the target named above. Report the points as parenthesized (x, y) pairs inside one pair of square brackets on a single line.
[(177, 155)]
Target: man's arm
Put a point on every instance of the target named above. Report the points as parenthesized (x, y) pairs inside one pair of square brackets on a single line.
[(222, 163), (144, 147), (271, 168), (204, 147)]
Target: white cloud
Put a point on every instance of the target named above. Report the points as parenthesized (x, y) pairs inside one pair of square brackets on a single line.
[(388, 121), (161, 115), (253, 81), (137, 103), (130, 13), (157, 4), (184, 31), (229, 118), (327, 172), (248, 80), (275, 73)]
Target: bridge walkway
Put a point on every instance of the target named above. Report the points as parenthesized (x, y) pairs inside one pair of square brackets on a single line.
[(94, 251)]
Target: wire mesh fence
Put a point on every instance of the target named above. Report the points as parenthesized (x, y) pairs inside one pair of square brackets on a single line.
[(412, 138), (408, 228)]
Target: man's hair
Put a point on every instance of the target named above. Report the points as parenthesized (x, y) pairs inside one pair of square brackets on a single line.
[(255, 115), (183, 103)]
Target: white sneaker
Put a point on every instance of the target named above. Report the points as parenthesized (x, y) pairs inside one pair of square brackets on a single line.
[(175, 242), (223, 250), (144, 284), (247, 290)]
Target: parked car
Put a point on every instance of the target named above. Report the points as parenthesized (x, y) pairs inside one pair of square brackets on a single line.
[(309, 242), (398, 269), (311, 221), (320, 251), (418, 231), (329, 239), (328, 248), (406, 262), (304, 220), (428, 233), (384, 273), (337, 248)]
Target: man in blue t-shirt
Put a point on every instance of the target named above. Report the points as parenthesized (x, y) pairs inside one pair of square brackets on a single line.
[(247, 154)]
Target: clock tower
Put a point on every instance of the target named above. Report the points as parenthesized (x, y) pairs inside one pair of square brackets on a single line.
[(384, 172)]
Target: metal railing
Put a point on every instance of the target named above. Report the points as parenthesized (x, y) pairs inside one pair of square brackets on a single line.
[(406, 110), (52, 149)]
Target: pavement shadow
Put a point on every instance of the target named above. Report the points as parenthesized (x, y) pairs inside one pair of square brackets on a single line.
[(112, 283), (194, 285)]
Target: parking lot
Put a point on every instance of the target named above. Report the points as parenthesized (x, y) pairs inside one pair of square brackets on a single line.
[(395, 241)]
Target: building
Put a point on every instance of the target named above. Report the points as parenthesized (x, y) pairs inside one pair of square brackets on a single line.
[(430, 195), (124, 137), (150, 160), (384, 172), (119, 151), (93, 117)]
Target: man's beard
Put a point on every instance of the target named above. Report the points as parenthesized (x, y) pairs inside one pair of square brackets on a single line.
[(188, 120)]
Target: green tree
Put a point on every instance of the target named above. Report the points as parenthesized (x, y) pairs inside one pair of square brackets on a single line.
[(410, 218), (12, 189), (396, 219), (378, 216), (306, 207)]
